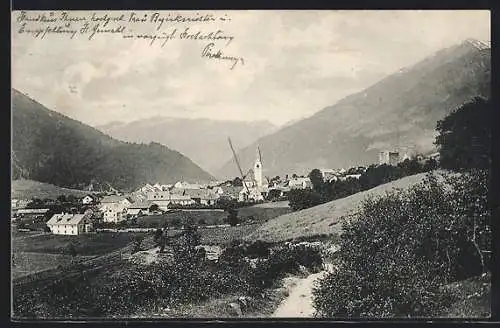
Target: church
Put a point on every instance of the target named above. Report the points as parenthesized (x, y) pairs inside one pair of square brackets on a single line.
[(255, 188)]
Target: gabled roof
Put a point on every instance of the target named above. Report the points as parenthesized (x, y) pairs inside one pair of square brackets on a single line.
[(134, 211), (197, 193), (141, 205), (114, 199), (249, 176), (33, 211), (67, 219), (179, 197)]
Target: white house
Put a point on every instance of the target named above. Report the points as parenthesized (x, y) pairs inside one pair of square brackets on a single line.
[(114, 208), (186, 185), (252, 193), (18, 203), (299, 183), (139, 208), (70, 224), (164, 198), (89, 199), (201, 196)]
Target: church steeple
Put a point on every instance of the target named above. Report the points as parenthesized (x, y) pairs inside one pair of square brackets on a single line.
[(257, 169)]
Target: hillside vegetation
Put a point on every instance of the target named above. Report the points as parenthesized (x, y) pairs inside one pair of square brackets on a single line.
[(425, 251), (400, 109), (324, 218), (50, 147), (28, 189)]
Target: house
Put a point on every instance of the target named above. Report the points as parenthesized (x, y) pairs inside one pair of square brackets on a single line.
[(33, 213), (165, 198), (200, 196), (134, 212), (299, 183), (187, 185), (70, 224), (209, 199), (139, 208), (250, 194), (114, 208), (230, 192), (389, 157), (89, 200), (18, 203), (181, 200)]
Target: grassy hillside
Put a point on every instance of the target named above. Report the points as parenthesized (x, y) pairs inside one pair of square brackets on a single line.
[(50, 147), (27, 189), (401, 109), (324, 218)]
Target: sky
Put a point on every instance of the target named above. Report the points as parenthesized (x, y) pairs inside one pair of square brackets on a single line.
[(295, 63)]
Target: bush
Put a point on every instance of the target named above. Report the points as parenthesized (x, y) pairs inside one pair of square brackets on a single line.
[(405, 245), (284, 260), (300, 199), (258, 249)]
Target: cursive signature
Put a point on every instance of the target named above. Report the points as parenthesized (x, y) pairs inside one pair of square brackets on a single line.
[(212, 53)]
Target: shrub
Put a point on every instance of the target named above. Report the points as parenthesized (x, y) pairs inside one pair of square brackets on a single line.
[(406, 244), (283, 260), (258, 249)]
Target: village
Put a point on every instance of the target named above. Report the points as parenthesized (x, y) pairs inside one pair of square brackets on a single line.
[(95, 212)]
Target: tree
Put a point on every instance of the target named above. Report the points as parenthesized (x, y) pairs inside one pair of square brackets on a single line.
[(62, 199), (300, 199), (294, 176), (464, 138), (137, 243), (154, 208), (317, 181), (232, 217), (237, 182)]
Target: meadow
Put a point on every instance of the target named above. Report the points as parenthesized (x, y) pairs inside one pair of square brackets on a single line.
[(84, 245)]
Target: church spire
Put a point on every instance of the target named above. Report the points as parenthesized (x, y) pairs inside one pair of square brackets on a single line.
[(257, 168)]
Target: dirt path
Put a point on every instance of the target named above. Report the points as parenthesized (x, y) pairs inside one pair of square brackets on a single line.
[(299, 302)]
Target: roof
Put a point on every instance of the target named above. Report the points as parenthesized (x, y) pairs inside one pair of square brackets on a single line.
[(114, 199), (298, 181), (179, 197), (66, 219), (134, 210), (141, 205), (249, 176), (160, 195), (231, 191), (197, 193), (33, 211)]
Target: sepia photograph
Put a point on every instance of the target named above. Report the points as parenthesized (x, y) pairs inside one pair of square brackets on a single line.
[(229, 164)]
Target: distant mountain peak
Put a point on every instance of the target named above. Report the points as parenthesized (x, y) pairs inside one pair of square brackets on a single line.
[(402, 108)]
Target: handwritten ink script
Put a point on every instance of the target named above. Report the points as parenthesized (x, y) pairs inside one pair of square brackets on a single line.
[(156, 28)]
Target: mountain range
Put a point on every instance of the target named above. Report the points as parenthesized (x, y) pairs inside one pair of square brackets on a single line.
[(202, 140), (50, 147), (400, 111)]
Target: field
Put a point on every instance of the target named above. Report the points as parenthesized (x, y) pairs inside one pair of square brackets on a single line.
[(324, 218), (221, 235), (26, 263), (257, 213), (27, 189), (210, 218), (85, 245)]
